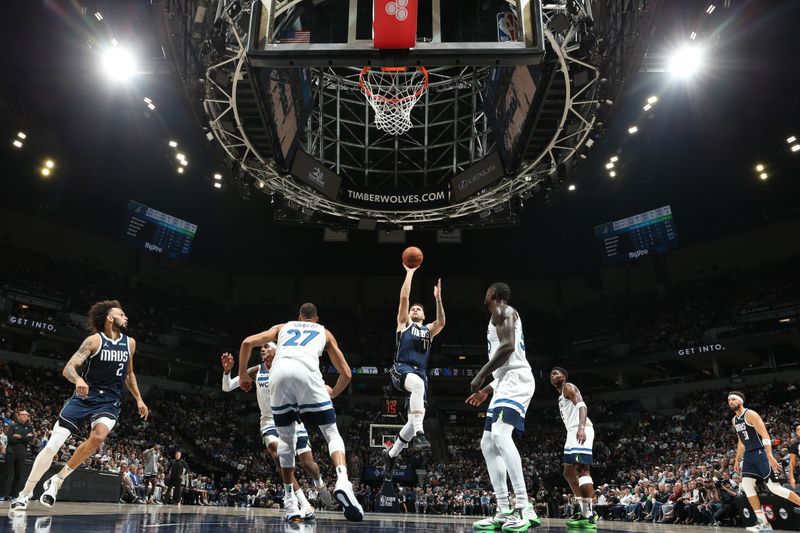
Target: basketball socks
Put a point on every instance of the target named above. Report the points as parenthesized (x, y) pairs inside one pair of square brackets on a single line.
[(497, 471), (288, 489), (405, 436), (318, 483), (586, 507), (40, 465), (64, 472), (301, 499), (501, 436), (760, 516), (341, 473)]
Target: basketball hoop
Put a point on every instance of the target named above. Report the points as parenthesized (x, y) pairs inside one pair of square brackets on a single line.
[(392, 93)]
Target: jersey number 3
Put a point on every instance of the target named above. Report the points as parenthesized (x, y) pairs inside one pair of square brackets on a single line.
[(296, 334)]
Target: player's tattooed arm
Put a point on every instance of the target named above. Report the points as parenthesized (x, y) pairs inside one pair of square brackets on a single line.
[(85, 350)]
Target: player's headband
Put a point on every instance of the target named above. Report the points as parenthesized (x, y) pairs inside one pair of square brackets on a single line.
[(272, 344), (736, 397)]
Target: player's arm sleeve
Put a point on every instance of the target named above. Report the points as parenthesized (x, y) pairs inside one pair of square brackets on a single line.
[(228, 383)]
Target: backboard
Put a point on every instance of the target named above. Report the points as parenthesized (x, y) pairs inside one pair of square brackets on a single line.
[(286, 33)]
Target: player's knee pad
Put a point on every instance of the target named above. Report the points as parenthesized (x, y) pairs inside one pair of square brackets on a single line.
[(285, 454), (584, 480), (57, 439), (777, 490), (749, 487), (332, 437)]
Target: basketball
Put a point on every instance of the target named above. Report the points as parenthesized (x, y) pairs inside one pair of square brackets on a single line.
[(412, 257)]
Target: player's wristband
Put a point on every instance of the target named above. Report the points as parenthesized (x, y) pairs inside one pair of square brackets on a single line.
[(766, 442)]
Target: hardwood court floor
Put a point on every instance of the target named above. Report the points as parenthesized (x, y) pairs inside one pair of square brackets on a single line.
[(97, 517)]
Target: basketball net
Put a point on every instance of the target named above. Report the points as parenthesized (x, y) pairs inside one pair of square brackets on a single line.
[(392, 93)]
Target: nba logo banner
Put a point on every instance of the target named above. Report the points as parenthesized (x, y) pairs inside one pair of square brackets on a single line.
[(394, 24)]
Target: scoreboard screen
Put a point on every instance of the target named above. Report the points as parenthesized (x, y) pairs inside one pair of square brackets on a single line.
[(159, 232), (637, 236)]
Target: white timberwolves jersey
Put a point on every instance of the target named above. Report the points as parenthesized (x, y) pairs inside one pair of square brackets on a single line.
[(303, 342), (570, 414), (517, 360), (262, 394)]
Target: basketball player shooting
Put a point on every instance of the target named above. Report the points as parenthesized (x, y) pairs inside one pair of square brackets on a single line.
[(409, 373), (513, 388), (297, 391), (97, 397)]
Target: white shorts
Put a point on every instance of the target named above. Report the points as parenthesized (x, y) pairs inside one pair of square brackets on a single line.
[(576, 453), (511, 398), (297, 393), (270, 434)]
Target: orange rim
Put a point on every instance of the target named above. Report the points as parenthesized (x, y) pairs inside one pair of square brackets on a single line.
[(380, 98)]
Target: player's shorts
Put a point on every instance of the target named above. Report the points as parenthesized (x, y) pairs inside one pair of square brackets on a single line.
[(398, 373), (576, 453), (512, 396), (298, 394), (269, 434), (95, 406), (756, 465)]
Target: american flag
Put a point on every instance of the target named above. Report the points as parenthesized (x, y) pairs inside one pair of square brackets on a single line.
[(295, 36)]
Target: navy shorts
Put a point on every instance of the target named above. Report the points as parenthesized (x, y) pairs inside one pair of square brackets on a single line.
[(756, 465), (94, 406), (398, 373)]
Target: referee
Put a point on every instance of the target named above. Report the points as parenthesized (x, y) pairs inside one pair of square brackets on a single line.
[(20, 436)]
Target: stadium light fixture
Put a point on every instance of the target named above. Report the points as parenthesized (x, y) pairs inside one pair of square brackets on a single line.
[(571, 188), (173, 144), (260, 184), (152, 107), (647, 107), (180, 170), (759, 167), (795, 147), (98, 16), (711, 9), (24, 136), (147, 100), (686, 61), (613, 174), (652, 100), (790, 140), (17, 143), (49, 164), (614, 159), (217, 185), (218, 177), (119, 64), (44, 171), (180, 156), (763, 175), (633, 129), (693, 36), (184, 162), (609, 165)]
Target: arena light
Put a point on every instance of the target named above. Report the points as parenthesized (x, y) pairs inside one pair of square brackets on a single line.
[(647, 107), (763, 175), (218, 177), (147, 100), (693, 36), (711, 9), (613, 174), (184, 162), (217, 185), (652, 100), (633, 129), (114, 43), (173, 144), (759, 167), (180, 170), (119, 64), (686, 61), (614, 159), (260, 184), (98, 16), (180, 156), (610, 166), (790, 140), (17, 143), (49, 164), (44, 171), (152, 107), (795, 147), (571, 188), (24, 136)]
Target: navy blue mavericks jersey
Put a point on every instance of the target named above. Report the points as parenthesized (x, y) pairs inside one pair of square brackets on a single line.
[(105, 373), (747, 434), (414, 346)]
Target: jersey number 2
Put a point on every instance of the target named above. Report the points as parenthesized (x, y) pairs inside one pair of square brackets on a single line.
[(296, 334), (120, 369)]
